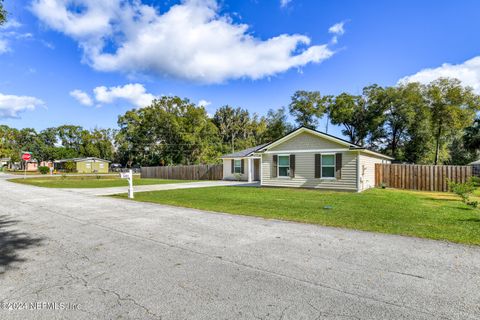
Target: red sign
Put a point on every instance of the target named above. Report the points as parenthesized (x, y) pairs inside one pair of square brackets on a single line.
[(26, 156)]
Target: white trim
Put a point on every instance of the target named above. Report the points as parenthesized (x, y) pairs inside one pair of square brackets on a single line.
[(370, 152), (358, 171), (250, 170), (298, 131), (278, 166), (261, 170), (311, 150), (334, 166), (234, 166), (248, 157)]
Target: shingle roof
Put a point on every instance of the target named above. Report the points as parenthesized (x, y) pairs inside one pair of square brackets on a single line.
[(244, 153), (81, 159)]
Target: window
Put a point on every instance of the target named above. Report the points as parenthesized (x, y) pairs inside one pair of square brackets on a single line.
[(88, 165), (102, 166), (237, 166), (283, 166), (328, 166)]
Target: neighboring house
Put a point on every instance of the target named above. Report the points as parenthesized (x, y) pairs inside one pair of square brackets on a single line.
[(4, 162), (46, 164), (306, 158), (84, 165), (32, 165), (475, 168)]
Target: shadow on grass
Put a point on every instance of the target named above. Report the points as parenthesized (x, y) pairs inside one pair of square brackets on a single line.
[(11, 242), (442, 199), (477, 220)]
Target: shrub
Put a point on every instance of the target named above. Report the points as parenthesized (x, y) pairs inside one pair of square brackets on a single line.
[(70, 166), (464, 191), (476, 181), (44, 169)]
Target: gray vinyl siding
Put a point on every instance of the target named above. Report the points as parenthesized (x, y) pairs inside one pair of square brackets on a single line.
[(367, 170), (306, 141), (305, 172), (227, 170)]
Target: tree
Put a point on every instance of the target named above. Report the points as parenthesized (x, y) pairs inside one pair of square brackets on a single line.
[(3, 13), (419, 142), (453, 108), (349, 111), (232, 124), (307, 107), (471, 138), (277, 125), (169, 131), (458, 153), (398, 106)]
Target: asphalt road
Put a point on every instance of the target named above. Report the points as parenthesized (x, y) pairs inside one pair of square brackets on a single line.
[(105, 258)]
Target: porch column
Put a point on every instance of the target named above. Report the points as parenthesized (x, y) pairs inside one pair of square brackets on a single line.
[(250, 169)]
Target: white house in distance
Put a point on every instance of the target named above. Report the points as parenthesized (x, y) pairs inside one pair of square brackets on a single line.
[(306, 158)]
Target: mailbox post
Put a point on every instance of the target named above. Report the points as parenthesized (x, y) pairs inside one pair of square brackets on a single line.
[(128, 175)]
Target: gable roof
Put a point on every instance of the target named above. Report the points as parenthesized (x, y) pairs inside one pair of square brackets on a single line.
[(297, 131), (245, 152), (351, 146), (294, 133)]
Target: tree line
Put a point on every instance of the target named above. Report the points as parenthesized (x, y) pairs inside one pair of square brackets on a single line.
[(426, 124)]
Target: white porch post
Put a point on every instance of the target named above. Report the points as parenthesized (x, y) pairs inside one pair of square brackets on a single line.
[(250, 169)]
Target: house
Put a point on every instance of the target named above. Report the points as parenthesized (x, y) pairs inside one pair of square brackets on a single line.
[(32, 165), (306, 158), (46, 164), (84, 165), (4, 162)]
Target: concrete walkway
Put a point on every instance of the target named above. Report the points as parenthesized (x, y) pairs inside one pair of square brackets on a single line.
[(107, 258), (155, 187)]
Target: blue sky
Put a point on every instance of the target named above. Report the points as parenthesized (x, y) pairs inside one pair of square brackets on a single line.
[(54, 53)]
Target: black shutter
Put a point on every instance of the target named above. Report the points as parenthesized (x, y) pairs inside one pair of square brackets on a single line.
[(274, 166), (292, 166), (242, 170), (338, 166), (318, 165), (233, 166)]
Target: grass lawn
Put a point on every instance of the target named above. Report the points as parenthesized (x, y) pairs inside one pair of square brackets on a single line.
[(421, 214), (89, 181)]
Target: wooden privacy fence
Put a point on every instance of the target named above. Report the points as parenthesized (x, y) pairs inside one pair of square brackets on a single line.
[(420, 177), (193, 172)]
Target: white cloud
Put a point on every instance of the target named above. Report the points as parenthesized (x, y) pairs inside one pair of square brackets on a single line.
[(134, 93), (190, 40), (204, 103), (4, 46), (82, 97), (8, 33), (11, 105), (11, 24), (284, 3), (337, 28), (467, 72)]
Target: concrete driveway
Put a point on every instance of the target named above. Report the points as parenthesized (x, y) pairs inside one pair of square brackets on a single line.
[(105, 258)]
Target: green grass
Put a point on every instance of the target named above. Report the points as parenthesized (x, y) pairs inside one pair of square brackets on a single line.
[(89, 181), (427, 215)]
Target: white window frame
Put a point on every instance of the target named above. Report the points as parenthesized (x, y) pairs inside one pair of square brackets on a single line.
[(235, 166), (278, 166), (329, 166)]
